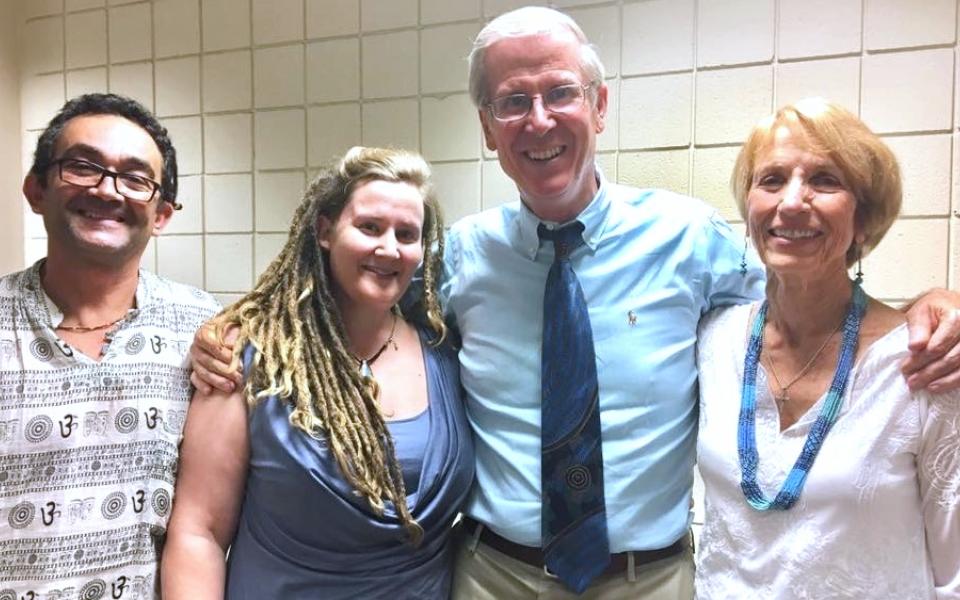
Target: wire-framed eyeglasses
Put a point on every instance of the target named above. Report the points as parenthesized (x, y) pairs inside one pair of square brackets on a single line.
[(561, 99), (83, 173)]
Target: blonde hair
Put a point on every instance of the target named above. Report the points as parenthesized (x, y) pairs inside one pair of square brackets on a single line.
[(868, 165), (293, 323)]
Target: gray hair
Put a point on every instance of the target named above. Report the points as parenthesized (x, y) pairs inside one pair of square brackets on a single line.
[(524, 22)]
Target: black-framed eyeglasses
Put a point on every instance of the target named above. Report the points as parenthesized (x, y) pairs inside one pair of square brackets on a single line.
[(563, 99), (84, 173)]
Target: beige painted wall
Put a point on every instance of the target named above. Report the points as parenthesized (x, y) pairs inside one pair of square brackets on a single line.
[(11, 201), (259, 93)]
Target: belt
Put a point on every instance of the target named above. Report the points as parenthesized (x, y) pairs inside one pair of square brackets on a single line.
[(533, 556)]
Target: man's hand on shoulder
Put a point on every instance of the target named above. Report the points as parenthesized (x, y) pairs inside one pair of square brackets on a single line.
[(211, 360), (934, 323)]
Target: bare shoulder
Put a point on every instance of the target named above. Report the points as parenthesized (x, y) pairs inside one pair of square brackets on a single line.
[(880, 320)]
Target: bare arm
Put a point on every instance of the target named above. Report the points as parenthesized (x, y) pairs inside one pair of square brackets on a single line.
[(214, 459), (211, 361), (934, 323)]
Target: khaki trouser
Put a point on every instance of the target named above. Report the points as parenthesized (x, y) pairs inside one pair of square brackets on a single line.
[(482, 573)]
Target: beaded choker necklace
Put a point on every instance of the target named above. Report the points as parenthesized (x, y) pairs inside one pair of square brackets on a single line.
[(746, 431)]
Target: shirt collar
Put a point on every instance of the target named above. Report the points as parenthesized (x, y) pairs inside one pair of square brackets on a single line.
[(594, 219), (51, 314)]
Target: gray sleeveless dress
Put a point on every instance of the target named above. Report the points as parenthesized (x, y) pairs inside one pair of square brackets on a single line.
[(304, 533)]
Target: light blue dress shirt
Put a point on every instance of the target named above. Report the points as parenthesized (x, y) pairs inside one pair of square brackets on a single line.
[(653, 262)]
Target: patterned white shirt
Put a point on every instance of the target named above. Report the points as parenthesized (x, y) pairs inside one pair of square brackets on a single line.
[(88, 449), (879, 516)]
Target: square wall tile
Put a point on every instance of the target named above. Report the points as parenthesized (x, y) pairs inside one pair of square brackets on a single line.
[(711, 178), (41, 8), (609, 138), (76, 5), (130, 33), (180, 258), (458, 189), (443, 57), (41, 97), (387, 14), (496, 187), (276, 199), (188, 219), (395, 123), (34, 227), (390, 65), (226, 24), (720, 34), (444, 11), (921, 242), (42, 46), (278, 76), (227, 143), (228, 203), (133, 80), (327, 18), (333, 70), (331, 130), (280, 142), (908, 91), (28, 144), (176, 27), (667, 169), (266, 248), (803, 30), (227, 81), (656, 111), (451, 130), (493, 8), (277, 21), (185, 133), (178, 86), (229, 262), (86, 81), (657, 36), (602, 27), (925, 169), (836, 79), (898, 24), (730, 102), (86, 39)]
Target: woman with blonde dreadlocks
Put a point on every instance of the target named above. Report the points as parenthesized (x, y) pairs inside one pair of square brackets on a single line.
[(337, 469)]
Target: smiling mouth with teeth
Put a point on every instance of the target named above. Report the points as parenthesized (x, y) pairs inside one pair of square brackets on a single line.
[(543, 155), (794, 234), (100, 216)]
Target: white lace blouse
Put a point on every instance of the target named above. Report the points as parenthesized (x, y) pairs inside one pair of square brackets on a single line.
[(878, 516)]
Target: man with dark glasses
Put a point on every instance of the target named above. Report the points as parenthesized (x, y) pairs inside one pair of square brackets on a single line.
[(93, 373)]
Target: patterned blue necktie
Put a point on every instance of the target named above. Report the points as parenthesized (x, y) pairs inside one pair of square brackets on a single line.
[(574, 519)]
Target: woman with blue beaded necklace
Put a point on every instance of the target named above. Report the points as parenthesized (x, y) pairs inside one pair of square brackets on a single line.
[(826, 477)]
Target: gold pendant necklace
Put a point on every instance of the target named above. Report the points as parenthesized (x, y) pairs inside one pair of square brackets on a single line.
[(783, 396)]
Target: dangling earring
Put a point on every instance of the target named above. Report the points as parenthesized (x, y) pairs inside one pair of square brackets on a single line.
[(743, 257), (859, 278)]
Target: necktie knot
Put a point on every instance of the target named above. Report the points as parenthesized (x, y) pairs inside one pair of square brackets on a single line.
[(565, 239)]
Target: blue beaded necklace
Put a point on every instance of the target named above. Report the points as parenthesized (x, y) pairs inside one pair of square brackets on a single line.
[(746, 431)]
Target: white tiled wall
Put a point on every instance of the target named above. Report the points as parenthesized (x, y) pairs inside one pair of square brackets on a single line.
[(258, 94)]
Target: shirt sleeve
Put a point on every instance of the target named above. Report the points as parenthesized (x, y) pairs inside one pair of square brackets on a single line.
[(938, 463), (724, 283)]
